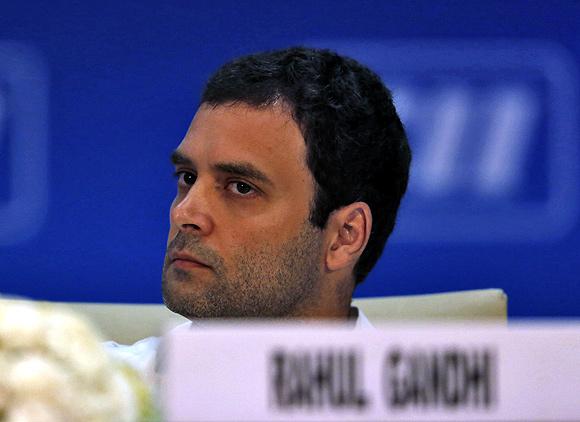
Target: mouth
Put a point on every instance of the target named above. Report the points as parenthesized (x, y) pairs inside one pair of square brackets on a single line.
[(186, 261)]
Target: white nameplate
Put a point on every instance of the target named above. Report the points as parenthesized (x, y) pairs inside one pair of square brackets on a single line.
[(397, 373)]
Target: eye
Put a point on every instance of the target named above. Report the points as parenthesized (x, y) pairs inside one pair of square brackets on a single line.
[(186, 178), (240, 188)]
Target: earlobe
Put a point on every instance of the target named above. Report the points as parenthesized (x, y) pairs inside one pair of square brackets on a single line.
[(350, 231)]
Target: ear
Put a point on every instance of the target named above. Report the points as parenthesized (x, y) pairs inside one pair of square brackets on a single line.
[(349, 229)]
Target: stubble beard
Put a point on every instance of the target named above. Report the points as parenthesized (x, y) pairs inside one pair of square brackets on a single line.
[(268, 282)]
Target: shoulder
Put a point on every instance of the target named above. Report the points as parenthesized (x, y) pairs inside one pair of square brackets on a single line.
[(141, 355), (362, 322)]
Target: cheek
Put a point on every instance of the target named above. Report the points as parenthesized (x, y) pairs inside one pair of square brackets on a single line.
[(284, 225), (172, 228), (262, 233), (170, 236)]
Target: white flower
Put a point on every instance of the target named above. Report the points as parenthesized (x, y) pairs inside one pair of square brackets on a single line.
[(54, 368)]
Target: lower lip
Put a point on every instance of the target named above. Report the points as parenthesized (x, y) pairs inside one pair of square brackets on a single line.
[(185, 264)]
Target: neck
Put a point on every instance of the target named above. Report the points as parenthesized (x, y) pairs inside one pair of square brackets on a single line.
[(330, 302)]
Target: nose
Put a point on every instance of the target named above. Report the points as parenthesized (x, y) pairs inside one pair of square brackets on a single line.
[(191, 212)]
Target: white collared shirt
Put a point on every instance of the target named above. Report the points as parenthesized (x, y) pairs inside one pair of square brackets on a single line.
[(142, 355)]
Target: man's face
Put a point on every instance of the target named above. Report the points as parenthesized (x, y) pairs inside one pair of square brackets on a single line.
[(240, 244)]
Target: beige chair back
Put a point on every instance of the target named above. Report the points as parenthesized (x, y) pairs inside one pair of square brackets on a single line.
[(127, 323)]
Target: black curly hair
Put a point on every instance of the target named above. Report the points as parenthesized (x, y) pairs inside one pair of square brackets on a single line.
[(357, 149)]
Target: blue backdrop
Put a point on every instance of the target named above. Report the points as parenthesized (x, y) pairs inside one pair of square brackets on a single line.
[(94, 96)]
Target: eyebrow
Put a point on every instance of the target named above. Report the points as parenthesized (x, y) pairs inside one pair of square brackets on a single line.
[(242, 169), (178, 158), (238, 168)]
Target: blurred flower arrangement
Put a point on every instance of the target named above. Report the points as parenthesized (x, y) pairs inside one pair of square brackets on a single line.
[(54, 368)]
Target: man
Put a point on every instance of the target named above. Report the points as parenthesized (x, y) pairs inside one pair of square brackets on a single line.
[(288, 184)]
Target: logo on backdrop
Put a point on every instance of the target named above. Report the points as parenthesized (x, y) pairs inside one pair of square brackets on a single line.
[(23, 143), (493, 127)]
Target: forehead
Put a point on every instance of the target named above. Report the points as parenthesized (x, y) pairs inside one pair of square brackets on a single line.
[(268, 138)]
